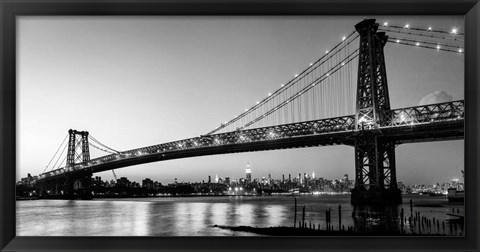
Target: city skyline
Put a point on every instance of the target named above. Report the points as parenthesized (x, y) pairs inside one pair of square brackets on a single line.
[(116, 64)]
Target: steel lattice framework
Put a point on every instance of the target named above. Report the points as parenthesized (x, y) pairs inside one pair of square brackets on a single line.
[(374, 156), (421, 123), (73, 144)]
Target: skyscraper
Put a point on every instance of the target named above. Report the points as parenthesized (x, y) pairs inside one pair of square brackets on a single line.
[(248, 173)]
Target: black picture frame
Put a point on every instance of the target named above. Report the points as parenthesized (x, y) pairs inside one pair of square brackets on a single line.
[(10, 9)]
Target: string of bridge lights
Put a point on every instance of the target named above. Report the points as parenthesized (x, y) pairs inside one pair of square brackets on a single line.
[(429, 33), (426, 44), (453, 31), (345, 41)]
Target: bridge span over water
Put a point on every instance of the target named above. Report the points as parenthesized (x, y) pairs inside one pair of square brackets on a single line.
[(374, 130)]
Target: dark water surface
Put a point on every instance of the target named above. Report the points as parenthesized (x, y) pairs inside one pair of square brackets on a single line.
[(194, 216)]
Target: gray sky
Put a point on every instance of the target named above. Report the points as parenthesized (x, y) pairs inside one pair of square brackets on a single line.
[(138, 81)]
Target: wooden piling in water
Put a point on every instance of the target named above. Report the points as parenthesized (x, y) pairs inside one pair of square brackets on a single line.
[(295, 216), (339, 216), (411, 207), (303, 216), (401, 216), (327, 218)]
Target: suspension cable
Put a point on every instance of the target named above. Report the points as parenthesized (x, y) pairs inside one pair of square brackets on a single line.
[(332, 70), (55, 153), (429, 29), (386, 29), (420, 42), (98, 148), (296, 79), (101, 144), (64, 148), (438, 47)]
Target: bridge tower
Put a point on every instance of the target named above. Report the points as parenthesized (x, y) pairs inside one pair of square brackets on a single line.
[(78, 183), (72, 145), (375, 175)]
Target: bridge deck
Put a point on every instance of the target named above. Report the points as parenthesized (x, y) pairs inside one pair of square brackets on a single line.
[(436, 122)]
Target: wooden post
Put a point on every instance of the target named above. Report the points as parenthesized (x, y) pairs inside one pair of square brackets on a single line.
[(411, 207), (303, 217), (401, 217), (339, 217), (295, 217), (327, 219)]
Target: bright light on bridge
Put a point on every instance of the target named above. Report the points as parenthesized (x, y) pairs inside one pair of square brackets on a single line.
[(454, 30)]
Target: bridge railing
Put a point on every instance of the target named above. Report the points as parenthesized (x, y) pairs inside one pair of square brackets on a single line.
[(337, 124), (446, 111)]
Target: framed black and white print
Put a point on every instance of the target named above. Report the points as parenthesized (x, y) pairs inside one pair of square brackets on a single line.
[(199, 125)]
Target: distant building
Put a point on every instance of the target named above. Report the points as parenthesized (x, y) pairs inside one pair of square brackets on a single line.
[(147, 183), (124, 182), (248, 173)]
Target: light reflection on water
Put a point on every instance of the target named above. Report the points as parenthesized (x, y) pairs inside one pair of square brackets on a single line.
[(188, 216)]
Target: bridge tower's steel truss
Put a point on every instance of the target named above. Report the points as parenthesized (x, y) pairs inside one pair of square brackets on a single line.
[(375, 175), (77, 184), (72, 145)]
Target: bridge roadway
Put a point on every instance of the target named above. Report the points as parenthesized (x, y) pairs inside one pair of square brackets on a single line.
[(435, 122)]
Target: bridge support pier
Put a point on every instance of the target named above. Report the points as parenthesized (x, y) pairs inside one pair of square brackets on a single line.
[(375, 173), (70, 186), (78, 186)]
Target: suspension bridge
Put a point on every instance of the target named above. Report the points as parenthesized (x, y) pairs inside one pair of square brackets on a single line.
[(322, 105)]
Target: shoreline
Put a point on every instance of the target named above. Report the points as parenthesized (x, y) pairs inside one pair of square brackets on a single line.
[(292, 231)]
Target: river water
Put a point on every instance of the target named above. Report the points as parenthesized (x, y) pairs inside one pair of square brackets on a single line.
[(194, 216)]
